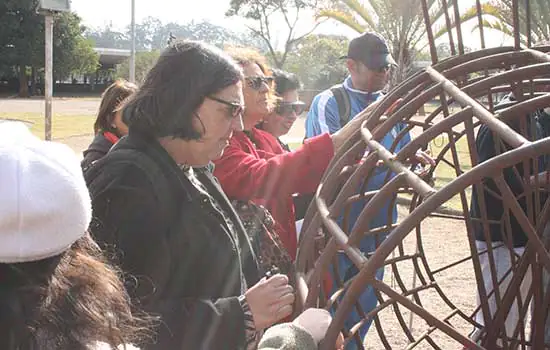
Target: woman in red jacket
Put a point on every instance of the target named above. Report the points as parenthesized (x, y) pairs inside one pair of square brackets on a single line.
[(255, 167)]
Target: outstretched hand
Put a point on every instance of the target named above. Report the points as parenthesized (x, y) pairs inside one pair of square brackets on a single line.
[(425, 160)]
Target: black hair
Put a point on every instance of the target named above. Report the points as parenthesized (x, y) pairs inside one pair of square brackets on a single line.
[(185, 73), (285, 81), (69, 301)]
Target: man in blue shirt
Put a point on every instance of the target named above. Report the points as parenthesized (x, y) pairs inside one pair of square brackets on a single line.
[(368, 62)]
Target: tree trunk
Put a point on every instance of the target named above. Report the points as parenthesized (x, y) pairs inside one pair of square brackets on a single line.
[(33, 81), (23, 87)]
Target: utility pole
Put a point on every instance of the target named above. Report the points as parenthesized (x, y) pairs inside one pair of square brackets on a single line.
[(133, 51), (48, 88), (48, 8)]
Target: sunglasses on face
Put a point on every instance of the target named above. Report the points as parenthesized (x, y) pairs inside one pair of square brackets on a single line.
[(382, 69), (286, 109), (257, 82), (235, 109)]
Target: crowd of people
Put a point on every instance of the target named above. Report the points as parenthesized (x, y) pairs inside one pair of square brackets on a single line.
[(178, 229)]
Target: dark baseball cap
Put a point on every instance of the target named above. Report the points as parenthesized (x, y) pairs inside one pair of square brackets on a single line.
[(370, 49)]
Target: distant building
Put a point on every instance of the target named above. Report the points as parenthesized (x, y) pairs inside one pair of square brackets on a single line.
[(109, 58), (104, 75)]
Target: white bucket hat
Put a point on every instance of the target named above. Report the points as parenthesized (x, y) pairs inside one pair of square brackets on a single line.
[(44, 202)]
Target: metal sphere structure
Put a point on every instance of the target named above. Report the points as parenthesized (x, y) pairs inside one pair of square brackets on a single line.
[(443, 106)]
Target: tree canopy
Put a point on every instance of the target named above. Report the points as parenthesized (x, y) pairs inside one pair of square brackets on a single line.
[(316, 61), (271, 20), (152, 34), (22, 42)]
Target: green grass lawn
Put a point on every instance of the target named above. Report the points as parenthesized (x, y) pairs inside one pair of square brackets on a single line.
[(70, 125), (444, 173), (62, 125)]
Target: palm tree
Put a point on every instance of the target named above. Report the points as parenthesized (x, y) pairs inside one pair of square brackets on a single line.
[(400, 22), (539, 19), (498, 15)]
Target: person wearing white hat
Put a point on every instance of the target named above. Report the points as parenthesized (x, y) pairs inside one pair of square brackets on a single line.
[(56, 292), (49, 263)]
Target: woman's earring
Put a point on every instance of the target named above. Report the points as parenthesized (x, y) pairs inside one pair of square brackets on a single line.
[(113, 126)]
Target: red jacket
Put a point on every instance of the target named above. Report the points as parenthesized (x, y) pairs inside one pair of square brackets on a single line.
[(264, 173)]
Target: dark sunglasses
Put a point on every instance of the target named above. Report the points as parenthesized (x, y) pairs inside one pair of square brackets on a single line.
[(382, 69), (257, 82), (287, 108), (236, 109)]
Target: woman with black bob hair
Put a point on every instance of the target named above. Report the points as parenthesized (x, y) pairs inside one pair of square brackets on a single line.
[(162, 216)]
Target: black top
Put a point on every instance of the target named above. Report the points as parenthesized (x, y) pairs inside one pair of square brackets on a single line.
[(183, 259), (514, 177), (96, 150)]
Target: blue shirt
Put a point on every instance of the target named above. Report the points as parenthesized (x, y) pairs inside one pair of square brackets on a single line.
[(323, 117)]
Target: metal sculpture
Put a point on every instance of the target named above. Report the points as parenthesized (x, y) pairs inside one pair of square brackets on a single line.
[(467, 88)]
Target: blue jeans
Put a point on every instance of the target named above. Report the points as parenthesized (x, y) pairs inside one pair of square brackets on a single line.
[(367, 300)]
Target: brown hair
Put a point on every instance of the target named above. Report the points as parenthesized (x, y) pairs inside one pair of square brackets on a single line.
[(111, 101), (245, 56), (69, 301)]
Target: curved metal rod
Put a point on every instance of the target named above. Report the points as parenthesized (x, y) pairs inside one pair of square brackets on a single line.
[(474, 90), (458, 60), (524, 107), (509, 135), (508, 77), (413, 180), (496, 61), (509, 198), (310, 228), (537, 102), (357, 233), (486, 169), (324, 260), (328, 343), (462, 66)]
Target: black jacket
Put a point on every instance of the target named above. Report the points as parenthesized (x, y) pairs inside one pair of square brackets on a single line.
[(183, 260), (96, 150), (487, 149)]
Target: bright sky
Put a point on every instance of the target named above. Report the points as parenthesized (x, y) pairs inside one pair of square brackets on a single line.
[(98, 13), (101, 12)]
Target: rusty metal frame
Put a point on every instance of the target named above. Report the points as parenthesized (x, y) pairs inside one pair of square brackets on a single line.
[(467, 86)]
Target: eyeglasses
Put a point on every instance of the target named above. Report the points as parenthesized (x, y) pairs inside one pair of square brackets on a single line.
[(257, 82), (236, 109), (287, 108)]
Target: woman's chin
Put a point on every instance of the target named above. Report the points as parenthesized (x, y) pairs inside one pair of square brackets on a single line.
[(219, 153), (255, 117)]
